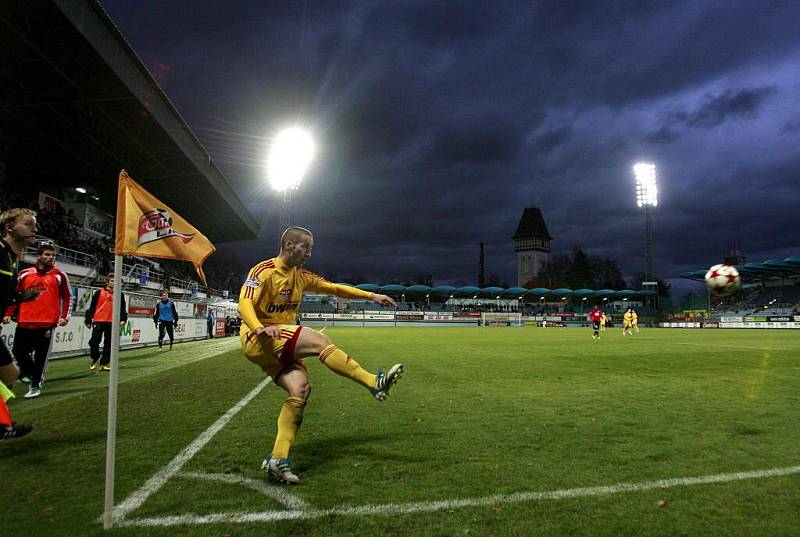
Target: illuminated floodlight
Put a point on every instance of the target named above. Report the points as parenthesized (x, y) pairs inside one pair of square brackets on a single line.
[(289, 158), (646, 188), (80, 189)]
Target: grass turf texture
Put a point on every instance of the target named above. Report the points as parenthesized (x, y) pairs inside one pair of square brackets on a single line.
[(479, 412)]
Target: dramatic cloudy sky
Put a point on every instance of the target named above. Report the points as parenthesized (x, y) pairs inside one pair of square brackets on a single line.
[(439, 122)]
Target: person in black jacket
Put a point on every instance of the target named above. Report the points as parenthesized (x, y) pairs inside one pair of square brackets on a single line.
[(18, 231), (165, 317), (99, 318)]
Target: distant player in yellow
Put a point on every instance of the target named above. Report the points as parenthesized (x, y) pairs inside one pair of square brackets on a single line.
[(603, 321), (268, 305), (635, 320), (627, 321)]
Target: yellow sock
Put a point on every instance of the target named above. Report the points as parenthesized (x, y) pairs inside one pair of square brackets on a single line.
[(289, 421), (340, 363)]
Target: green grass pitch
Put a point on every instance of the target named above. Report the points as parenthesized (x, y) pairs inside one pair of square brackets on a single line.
[(492, 431)]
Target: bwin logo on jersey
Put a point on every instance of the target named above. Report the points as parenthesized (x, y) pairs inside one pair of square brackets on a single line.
[(285, 294)]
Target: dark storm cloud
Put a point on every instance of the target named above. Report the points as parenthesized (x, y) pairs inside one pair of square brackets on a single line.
[(717, 108), (439, 122)]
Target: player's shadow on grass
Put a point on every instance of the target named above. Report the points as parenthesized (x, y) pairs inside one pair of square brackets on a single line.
[(320, 451)]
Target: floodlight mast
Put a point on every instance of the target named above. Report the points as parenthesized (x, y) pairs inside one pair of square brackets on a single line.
[(289, 158), (647, 197)]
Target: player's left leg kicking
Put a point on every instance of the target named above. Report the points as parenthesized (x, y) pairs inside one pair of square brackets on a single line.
[(282, 359)]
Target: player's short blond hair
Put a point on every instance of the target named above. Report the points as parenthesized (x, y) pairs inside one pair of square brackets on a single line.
[(294, 234), (10, 216)]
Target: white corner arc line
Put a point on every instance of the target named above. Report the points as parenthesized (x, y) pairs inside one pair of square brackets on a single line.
[(431, 506), (136, 499), (276, 492)]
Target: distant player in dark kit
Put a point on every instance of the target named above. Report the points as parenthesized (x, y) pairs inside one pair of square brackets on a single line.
[(99, 318), (595, 316), (36, 319), (165, 317), (19, 231)]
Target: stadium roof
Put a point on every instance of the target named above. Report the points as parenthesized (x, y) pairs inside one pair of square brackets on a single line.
[(531, 225), (470, 291), (78, 105), (771, 268)]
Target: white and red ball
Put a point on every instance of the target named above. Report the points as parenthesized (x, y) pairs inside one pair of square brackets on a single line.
[(723, 280)]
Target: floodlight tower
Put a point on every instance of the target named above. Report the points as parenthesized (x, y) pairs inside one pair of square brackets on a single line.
[(289, 158), (647, 197)]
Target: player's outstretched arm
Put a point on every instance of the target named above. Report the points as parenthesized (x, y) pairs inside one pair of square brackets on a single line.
[(383, 300)]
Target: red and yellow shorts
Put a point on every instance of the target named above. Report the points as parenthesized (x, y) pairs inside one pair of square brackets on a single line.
[(273, 356)]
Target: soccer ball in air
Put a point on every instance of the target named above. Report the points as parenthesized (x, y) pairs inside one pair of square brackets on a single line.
[(723, 280)]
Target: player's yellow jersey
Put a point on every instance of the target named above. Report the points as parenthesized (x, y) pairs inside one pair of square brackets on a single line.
[(627, 317), (603, 319), (635, 318), (273, 291)]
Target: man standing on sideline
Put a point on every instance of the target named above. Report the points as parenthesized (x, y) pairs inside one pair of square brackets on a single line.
[(99, 319), (165, 317), (594, 317), (37, 318), (210, 321), (19, 231), (268, 305)]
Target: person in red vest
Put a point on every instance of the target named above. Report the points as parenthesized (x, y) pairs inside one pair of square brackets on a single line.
[(595, 316), (98, 317), (37, 318)]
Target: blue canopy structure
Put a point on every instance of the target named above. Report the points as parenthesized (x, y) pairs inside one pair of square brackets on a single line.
[(583, 292), (468, 291), (646, 292), (418, 290), (491, 292), (561, 292), (393, 289), (514, 292), (771, 268), (442, 290), (627, 293), (369, 287), (604, 293), (539, 292)]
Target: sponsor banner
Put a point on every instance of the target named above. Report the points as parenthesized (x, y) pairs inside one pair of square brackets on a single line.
[(755, 318), (797, 318), (184, 309), (567, 314), (379, 316), (141, 305), (731, 319), (316, 315), (347, 316), (409, 315), (554, 324), (552, 318), (779, 319), (219, 327), (710, 325), (200, 310), (49, 202), (438, 316), (82, 299), (464, 314), (74, 336)]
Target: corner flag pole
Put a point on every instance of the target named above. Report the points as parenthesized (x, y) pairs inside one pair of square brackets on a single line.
[(111, 435)]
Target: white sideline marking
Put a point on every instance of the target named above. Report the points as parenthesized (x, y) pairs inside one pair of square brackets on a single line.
[(276, 492), (135, 500), (731, 346), (419, 507)]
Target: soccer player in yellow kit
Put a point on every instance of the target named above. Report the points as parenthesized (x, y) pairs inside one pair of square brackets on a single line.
[(635, 320), (268, 306), (603, 321), (627, 319)]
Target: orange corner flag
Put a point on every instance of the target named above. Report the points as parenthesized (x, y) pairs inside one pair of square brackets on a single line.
[(148, 228)]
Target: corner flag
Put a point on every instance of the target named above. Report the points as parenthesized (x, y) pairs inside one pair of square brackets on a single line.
[(148, 228)]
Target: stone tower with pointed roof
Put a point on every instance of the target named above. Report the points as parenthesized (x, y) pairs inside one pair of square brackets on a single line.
[(532, 244)]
